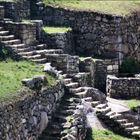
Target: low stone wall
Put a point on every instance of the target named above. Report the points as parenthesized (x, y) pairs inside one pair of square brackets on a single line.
[(16, 10), (28, 116), (26, 31), (123, 87), (64, 62), (1, 12), (64, 41)]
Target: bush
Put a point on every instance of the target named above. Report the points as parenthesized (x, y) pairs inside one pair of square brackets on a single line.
[(130, 65)]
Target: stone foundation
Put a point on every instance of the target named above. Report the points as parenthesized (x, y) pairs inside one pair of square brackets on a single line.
[(28, 116), (123, 87)]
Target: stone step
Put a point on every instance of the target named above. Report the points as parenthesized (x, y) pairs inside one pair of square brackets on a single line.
[(40, 61), (20, 50), (50, 51), (31, 53), (4, 33), (37, 56), (12, 42), (104, 110), (116, 116), (95, 103), (101, 106), (136, 134), (132, 129), (80, 94), (126, 125), (87, 99), (16, 46), (76, 90), (72, 85), (41, 46), (6, 38), (67, 80), (122, 121), (110, 113)]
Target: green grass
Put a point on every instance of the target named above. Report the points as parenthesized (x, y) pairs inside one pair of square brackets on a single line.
[(51, 30), (103, 134), (132, 103), (12, 72), (120, 7)]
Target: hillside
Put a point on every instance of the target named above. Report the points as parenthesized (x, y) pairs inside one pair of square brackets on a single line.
[(120, 7)]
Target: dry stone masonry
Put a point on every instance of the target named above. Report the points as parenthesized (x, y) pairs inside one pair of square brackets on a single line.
[(60, 111), (123, 87)]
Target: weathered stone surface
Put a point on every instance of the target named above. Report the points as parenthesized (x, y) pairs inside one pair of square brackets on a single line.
[(64, 41), (123, 87), (26, 118)]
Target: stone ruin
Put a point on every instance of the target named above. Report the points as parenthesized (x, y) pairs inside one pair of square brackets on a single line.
[(60, 112)]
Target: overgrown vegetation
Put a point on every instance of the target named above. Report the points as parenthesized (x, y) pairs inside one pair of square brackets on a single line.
[(103, 134), (12, 72), (132, 103), (50, 30), (120, 7), (130, 65)]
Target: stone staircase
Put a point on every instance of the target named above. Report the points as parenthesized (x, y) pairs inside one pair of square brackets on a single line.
[(62, 119), (34, 53), (116, 121)]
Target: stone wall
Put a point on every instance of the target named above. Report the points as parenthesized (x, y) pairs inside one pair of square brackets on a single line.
[(16, 10), (26, 31), (64, 62), (97, 34), (112, 66), (1, 12), (64, 41), (97, 70), (123, 87), (28, 116)]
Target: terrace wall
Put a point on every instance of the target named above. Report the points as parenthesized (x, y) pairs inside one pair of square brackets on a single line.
[(97, 34), (28, 116)]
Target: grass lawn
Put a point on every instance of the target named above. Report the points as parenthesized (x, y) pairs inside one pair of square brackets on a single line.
[(132, 103), (117, 7), (51, 30), (103, 134), (12, 72)]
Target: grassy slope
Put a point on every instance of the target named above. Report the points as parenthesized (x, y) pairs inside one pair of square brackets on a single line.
[(11, 74), (107, 135), (120, 7), (50, 30), (132, 103)]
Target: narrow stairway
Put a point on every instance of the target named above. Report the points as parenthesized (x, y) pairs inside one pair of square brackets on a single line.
[(116, 121), (34, 53)]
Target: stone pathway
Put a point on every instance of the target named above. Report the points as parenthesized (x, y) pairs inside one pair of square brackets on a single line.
[(117, 105)]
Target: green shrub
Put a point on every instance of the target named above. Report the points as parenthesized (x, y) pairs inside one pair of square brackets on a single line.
[(130, 65)]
